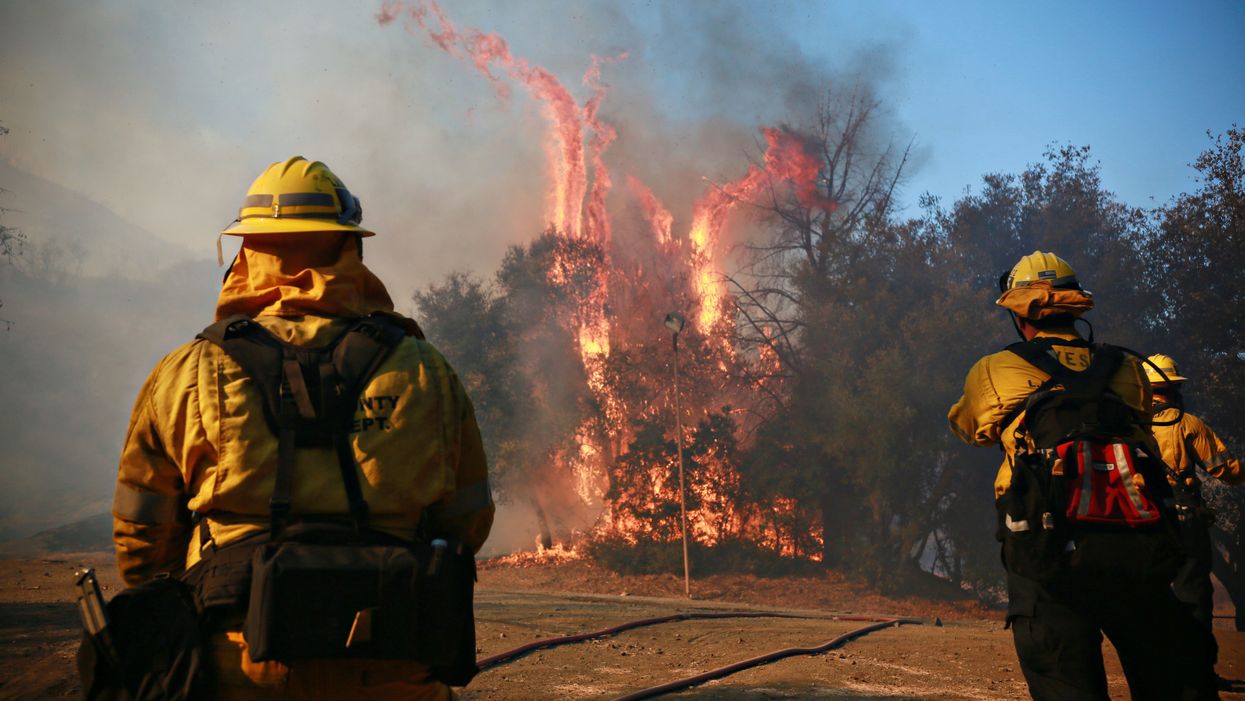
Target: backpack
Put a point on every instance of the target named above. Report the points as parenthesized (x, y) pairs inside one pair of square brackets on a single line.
[(324, 588), (1086, 500)]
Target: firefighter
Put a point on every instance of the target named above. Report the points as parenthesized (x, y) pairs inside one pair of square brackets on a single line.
[(1057, 628), (1186, 446), (198, 465)]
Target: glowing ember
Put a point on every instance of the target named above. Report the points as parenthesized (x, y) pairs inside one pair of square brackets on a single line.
[(542, 556)]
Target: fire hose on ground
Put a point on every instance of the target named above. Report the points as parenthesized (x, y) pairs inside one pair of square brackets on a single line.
[(688, 682), (680, 684), (511, 655)]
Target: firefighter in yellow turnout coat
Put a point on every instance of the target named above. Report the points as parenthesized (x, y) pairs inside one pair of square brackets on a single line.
[(198, 443), (1186, 446), (1057, 630)]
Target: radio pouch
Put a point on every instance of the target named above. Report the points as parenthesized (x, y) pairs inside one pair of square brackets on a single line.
[(371, 600)]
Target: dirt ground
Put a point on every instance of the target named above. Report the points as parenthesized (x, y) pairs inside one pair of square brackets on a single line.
[(970, 656)]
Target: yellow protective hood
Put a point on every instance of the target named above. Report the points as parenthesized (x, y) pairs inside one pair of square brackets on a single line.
[(1039, 300), (319, 276)]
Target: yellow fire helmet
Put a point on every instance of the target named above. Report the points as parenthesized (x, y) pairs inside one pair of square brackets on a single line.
[(298, 195), (1040, 267), (1168, 365)]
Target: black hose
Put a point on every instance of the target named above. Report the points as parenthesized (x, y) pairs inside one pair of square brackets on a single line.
[(511, 655), (680, 684)]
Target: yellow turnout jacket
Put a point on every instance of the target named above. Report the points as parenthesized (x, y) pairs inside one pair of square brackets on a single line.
[(198, 442), (1191, 443), (1000, 382)]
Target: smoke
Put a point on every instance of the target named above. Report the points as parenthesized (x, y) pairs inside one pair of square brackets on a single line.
[(161, 115)]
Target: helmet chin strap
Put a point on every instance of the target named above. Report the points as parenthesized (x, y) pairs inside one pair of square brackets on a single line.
[(1016, 325), (1090, 335)]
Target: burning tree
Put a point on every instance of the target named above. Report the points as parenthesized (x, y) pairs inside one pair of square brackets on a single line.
[(784, 376), (592, 430)]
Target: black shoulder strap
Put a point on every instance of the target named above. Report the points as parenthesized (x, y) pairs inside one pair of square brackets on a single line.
[(1037, 353), (1104, 361), (355, 359), (250, 345)]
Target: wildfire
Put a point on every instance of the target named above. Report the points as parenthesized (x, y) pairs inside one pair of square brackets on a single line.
[(660, 220), (786, 161), (564, 148), (541, 556), (580, 181), (602, 136)]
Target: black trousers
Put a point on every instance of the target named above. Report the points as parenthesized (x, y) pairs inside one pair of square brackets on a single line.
[(1058, 634), (1192, 583)]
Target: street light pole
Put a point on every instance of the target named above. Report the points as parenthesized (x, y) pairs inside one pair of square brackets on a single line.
[(675, 322)]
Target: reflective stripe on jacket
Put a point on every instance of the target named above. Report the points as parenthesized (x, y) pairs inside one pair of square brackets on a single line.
[(1000, 382)]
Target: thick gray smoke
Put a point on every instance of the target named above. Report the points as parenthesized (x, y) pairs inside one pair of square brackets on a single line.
[(136, 127)]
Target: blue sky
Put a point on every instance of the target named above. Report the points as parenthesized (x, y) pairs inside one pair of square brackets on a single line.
[(986, 85)]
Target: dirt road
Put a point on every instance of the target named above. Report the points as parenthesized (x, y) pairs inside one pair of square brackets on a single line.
[(963, 659), (959, 660)]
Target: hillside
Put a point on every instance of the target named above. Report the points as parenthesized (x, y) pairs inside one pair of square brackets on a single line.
[(91, 238), (90, 306), (91, 534)]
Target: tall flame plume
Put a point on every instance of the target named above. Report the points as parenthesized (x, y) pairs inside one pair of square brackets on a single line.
[(576, 144)]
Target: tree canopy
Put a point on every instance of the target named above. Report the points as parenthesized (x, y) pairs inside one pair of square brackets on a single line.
[(817, 428)]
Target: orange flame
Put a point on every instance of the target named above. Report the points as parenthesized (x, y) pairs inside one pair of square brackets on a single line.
[(786, 160), (580, 183), (566, 211), (564, 148), (602, 136), (660, 220)]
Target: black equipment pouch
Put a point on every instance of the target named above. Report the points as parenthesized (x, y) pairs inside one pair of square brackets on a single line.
[(1038, 542), (325, 600), (1031, 525), (331, 590), (153, 649), (1045, 540)]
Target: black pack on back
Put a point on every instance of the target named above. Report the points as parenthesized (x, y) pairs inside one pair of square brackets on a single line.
[(1085, 495), (1074, 404), (324, 590)]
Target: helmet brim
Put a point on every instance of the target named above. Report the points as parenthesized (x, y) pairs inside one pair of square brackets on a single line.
[(254, 226), (1172, 379)]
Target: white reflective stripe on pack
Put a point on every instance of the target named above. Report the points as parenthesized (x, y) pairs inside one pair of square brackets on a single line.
[(142, 506), (1126, 474), (1087, 479), (1015, 526)]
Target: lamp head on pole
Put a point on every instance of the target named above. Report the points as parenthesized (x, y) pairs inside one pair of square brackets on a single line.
[(675, 321)]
